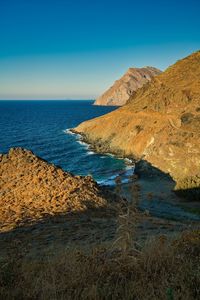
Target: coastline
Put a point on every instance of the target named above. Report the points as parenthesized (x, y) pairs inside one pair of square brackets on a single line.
[(34, 238), (91, 149), (104, 150), (157, 194)]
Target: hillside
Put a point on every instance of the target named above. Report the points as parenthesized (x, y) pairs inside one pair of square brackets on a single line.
[(31, 189), (160, 124), (127, 85)]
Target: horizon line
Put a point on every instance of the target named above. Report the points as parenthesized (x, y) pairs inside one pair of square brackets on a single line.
[(46, 99)]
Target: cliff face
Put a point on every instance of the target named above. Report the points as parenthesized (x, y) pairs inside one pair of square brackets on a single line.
[(31, 188), (126, 86), (160, 123)]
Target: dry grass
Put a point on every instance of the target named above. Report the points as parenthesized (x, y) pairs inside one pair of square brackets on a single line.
[(163, 269), (128, 216)]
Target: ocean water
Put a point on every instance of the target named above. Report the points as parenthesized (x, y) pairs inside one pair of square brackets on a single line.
[(42, 127)]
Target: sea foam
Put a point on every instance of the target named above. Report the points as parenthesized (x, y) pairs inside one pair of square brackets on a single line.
[(124, 176), (68, 131)]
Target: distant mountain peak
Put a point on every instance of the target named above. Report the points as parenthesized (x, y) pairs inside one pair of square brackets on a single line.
[(160, 124), (127, 85)]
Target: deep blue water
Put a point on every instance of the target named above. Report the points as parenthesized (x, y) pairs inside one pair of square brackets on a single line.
[(41, 126)]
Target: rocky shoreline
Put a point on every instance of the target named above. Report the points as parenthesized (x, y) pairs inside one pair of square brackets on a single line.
[(42, 206), (102, 147), (49, 215), (149, 178), (159, 125)]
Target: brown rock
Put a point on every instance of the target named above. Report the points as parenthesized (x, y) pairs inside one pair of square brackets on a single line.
[(31, 188), (160, 123), (126, 86)]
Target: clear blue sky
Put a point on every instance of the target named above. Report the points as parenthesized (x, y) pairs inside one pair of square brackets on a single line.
[(76, 49)]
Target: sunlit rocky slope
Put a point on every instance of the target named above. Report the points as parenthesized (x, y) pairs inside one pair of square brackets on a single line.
[(31, 188), (160, 123), (127, 85)]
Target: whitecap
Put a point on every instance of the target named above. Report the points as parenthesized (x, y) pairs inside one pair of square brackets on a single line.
[(130, 168), (110, 181), (123, 174), (109, 154), (68, 131), (128, 160), (90, 153), (78, 136), (107, 182), (83, 144)]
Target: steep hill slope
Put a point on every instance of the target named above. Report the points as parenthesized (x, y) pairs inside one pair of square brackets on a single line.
[(31, 188), (126, 86), (160, 123)]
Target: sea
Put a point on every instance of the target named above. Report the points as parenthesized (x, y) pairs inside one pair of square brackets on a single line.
[(43, 127)]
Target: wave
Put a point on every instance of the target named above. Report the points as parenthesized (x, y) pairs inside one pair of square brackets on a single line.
[(83, 144), (68, 131), (90, 153), (109, 154), (124, 176), (110, 180), (128, 160), (78, 137), (130, 170)]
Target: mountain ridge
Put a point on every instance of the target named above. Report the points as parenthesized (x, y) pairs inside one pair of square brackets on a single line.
[(122, 89), (160, 123)]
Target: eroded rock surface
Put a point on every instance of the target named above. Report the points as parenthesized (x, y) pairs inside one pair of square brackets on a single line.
[(126, 86), (160, 123), (31, 188)]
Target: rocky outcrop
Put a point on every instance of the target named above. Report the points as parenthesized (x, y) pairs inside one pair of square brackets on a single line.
[(31, 188), (126, 86), (160, 123)]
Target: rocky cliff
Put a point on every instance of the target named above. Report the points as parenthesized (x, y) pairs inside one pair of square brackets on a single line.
[(160, 124), (31, 188), (127, 85)]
